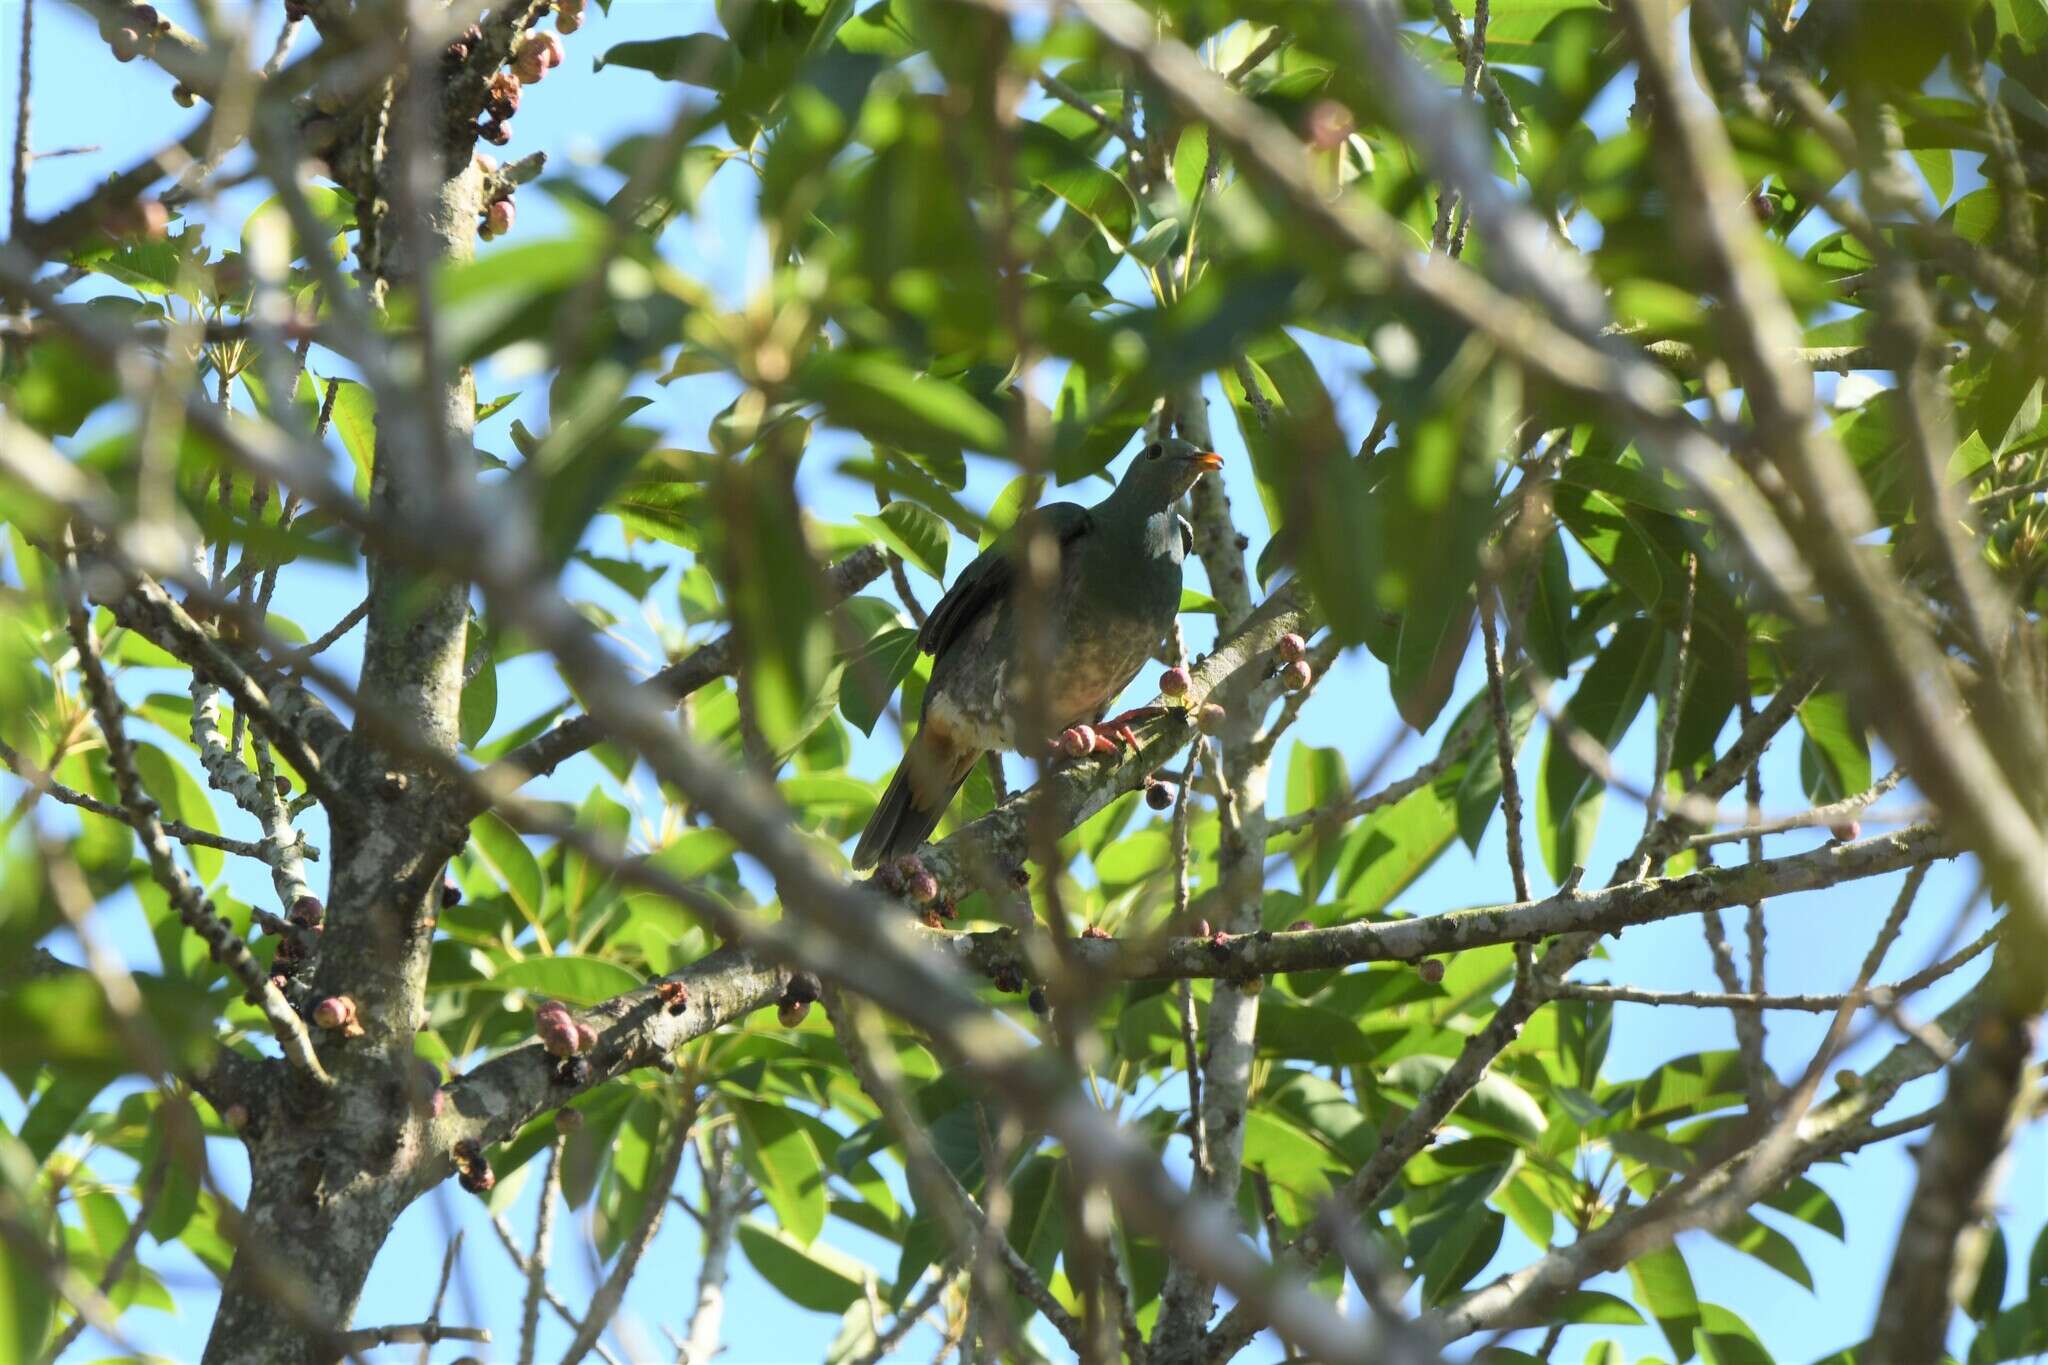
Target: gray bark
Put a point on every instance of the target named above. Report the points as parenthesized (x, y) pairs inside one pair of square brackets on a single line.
[(330, 1179)]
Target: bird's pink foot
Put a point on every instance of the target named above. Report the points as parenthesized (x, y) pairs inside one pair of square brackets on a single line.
[(1118, 728)]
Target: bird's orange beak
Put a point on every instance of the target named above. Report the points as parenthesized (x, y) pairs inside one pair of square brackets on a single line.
[(1208, 461)]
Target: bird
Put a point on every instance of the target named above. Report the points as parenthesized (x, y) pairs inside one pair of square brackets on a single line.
[(1114, 597)]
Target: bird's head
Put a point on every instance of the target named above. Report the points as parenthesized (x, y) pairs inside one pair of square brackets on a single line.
[(1162, 472)]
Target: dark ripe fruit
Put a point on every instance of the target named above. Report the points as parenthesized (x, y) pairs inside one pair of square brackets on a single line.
[(1037, 1001), (183, 96), (1008, 980), (145, 18), (501, 100), (127, 45), (1846, 831), (1763, 206), (922, 889), (1430, 970), (888, 879), (1290, 647), (284, 786), (307, 912), (791, 1013), (451, 893), (1174, 682), (1210, 718), (1297, 675), (1159, 796), (495, 133)]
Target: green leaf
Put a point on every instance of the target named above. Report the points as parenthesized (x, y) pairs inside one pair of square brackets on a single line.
[(508, 859), (479, 693), (777, 603), (916, 533), (1686, 1087), (26, 1308), (783, 1160), (1068, 170), (1835, 760), (1191, 162), (810, 1275), (692, 58), (1495, 1105), (573, 980), (184, 799), (1772, 1247), (355, 421), (1663, 1285), (1605, 704), (893, 405)]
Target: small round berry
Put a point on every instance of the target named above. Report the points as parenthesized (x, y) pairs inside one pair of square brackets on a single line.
[(1299, 925), (1209, 720), (127, 45), (1008, 979), (1430, 970), (182, 95), (451, 893), (1037, 1001), (495, 133), (568, 20), (284, 786), (335, 1012), (1159, 796), (1297, 675), (498, 219), (1174, 682), (308, 913), (889, 879), (922, 889), (1290, 647), (1763, 206), (791, 1013), (1846, 831)]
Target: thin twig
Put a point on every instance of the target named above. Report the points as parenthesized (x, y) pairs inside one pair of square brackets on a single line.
[(543, 1247), (605, 1302)]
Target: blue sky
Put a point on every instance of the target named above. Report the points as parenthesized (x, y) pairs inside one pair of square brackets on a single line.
[(83, 98)]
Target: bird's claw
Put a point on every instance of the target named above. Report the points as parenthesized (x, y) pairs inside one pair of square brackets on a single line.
[(1118, 728)]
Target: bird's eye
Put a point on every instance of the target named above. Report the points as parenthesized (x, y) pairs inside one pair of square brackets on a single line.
[(1153, 451)]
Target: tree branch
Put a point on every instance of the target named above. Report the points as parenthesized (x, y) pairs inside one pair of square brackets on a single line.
[(716, 659)]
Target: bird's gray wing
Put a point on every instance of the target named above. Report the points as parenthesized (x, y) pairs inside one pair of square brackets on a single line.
[(987, 581)]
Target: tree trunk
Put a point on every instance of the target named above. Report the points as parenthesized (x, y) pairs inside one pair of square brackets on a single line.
[(331, 1173)]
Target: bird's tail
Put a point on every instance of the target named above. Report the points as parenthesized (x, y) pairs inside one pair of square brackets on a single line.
[(917, 797)]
